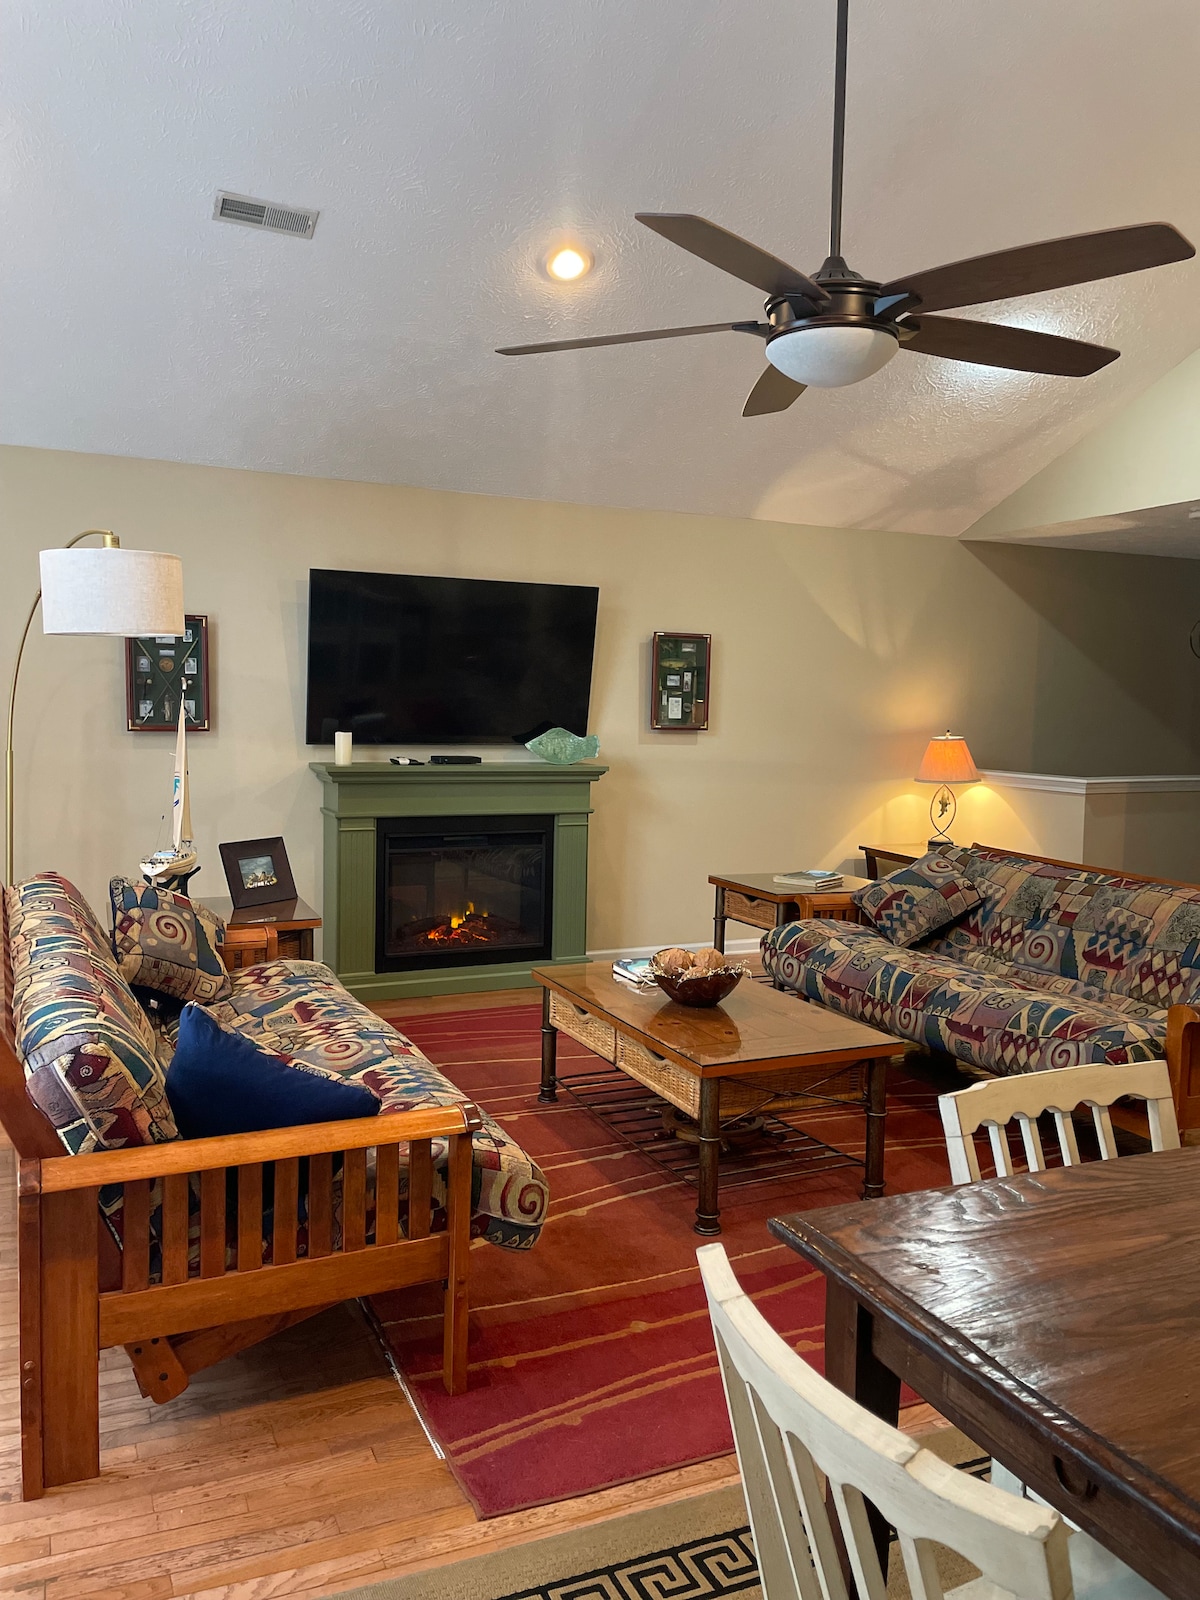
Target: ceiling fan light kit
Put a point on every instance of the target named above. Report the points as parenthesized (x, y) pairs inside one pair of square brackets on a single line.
[(837, 327), (830, 356)]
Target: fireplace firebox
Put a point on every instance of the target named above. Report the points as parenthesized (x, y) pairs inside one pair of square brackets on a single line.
[(464, 891)]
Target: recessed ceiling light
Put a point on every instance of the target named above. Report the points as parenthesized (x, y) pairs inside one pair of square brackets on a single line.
[(568, 264)]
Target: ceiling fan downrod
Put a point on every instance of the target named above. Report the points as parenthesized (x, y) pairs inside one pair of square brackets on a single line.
[(839, 131)]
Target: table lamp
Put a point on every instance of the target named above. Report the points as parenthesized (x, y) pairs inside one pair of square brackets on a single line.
[(105, 590), (946, 760)]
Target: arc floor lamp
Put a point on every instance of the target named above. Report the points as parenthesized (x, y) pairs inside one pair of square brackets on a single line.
[(100, 590)]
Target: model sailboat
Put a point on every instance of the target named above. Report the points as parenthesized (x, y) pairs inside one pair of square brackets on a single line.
[(171, 869)]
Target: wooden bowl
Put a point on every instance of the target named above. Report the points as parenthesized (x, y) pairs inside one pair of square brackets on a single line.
[(708, 989)]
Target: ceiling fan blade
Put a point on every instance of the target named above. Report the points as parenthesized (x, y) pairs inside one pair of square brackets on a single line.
[(989, 344), (734, 255), (774, 391), (1030, 268), (632, 338)]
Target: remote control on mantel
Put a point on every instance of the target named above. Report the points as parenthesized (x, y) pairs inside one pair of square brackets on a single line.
[(455, 761)]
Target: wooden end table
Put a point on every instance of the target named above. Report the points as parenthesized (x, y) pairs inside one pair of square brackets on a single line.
[(280, 931), (757, 900), (759, 1049)]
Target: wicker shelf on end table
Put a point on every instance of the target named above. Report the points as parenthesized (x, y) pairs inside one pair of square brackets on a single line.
[(758, 1051)]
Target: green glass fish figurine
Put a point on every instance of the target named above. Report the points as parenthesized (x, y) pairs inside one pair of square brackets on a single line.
[(564, 748)]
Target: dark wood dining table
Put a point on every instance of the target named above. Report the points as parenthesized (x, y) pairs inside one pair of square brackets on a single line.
[(1055, 1318)]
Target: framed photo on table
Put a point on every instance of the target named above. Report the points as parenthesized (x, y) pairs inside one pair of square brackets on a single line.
[(680, 669), (158, 670), (257, 872)]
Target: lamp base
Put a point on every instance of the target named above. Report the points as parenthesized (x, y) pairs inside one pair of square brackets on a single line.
[(942, 810)]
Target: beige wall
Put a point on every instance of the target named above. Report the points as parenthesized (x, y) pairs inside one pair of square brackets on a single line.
[(835, 655), (1028, 820), (1151, 830), (1144, 456)]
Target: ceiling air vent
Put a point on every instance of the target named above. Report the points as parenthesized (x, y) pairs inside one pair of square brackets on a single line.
[(264, 214)]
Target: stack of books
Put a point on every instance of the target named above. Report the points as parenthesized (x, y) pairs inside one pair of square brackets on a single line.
[(810, 878), (634, 971)]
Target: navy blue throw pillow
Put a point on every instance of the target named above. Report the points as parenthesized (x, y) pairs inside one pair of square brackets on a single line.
[(220, 1082)]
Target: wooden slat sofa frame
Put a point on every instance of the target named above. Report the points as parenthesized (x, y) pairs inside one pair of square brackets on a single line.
[(1182, 1050), (80, 1292)]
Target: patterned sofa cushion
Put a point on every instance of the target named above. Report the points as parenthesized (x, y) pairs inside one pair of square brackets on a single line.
[(162, 941), (1116, 936), (909, 905), (87, 1046), (996, 1022), (301, 1010)]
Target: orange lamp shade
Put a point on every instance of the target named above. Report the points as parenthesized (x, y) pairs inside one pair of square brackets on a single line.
[(947, 760)]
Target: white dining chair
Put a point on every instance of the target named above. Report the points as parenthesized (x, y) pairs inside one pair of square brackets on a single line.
[(1024, 1097), (995, 1103), (791, 1427), (797, 1437)]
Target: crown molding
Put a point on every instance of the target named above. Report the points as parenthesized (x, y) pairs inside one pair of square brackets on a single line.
[(1057, 783)]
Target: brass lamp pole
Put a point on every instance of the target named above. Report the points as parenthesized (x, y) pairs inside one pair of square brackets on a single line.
[(107, 590)]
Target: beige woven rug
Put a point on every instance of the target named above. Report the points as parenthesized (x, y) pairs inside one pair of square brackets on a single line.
[(697, 1549)]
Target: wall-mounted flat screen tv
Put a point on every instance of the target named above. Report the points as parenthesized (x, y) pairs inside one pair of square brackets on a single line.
[(397, 659)]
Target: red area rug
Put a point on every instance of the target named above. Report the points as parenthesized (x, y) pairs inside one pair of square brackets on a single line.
[(591, 1358)]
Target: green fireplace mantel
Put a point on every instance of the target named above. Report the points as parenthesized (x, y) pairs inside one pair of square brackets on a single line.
[(355, 797)]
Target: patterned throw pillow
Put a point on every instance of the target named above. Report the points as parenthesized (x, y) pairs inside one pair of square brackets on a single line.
[(222, 1082), (918, 900), (164, 942)]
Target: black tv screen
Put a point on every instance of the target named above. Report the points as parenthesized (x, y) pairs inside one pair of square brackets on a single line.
[(396, 659)]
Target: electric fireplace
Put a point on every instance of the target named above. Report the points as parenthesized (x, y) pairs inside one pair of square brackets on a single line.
[(463, 891), (379, 820)]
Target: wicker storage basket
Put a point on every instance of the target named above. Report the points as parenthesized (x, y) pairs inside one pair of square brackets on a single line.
[(783, 1090), (599, 1037)]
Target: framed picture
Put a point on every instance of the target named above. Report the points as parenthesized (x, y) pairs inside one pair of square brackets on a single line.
[(679, 677), (158, 671), (257, 872)]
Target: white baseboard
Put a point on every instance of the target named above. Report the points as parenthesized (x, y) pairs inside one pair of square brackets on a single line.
[(733, 947)]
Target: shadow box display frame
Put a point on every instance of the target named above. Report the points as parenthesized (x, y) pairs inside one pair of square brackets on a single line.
[(680, 682), (154, 667)]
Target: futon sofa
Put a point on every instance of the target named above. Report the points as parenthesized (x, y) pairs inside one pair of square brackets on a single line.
[(185, 1250), (1050, 964)]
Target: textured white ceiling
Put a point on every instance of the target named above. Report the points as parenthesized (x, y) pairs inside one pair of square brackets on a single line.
[(448, 142)]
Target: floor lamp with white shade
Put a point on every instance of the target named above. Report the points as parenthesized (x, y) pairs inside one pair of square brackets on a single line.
[(100, 590)]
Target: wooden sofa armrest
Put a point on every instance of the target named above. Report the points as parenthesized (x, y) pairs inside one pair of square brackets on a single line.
[(217, 1246), (1183, 1063), (224, 1241), (59, 1174)]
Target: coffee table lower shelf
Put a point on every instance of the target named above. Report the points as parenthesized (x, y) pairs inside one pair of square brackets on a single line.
[(637, 1116)]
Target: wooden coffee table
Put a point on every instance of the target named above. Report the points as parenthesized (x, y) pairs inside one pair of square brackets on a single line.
[(760, 1051)]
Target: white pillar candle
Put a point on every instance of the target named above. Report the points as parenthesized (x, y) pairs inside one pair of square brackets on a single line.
[(343, 749)]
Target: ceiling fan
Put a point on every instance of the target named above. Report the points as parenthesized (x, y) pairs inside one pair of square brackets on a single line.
[(838, 327)]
